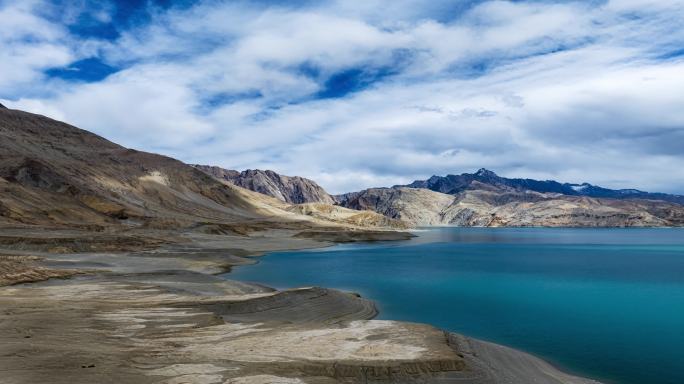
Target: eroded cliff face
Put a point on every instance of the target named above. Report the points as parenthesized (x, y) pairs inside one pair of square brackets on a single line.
[(487, 206), (490, 209), (417, 206), (290, 189)]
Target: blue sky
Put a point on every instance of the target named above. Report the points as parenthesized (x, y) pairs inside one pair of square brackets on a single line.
[(359, 94)]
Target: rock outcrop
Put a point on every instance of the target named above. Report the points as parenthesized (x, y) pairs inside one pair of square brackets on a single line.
[(23, 269), (417, 206), (290, 189)]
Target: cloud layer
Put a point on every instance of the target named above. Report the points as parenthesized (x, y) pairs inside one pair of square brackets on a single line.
[(367, 95)]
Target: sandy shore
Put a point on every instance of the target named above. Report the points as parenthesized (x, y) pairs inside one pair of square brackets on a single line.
[(159, 314)]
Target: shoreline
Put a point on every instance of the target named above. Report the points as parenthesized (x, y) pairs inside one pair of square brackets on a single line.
[(171, 299), (484, 346)]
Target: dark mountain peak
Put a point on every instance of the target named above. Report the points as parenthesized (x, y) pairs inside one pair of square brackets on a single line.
[(484, 172), (2, 106)]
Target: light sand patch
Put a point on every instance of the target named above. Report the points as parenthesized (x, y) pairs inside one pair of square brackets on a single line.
[(186, 369), (172, 326), (156, 177), (193, 379), (372, 340), (264, 379)]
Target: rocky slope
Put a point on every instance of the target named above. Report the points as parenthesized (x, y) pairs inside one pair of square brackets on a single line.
[(417, 206), (23, 269), (290, 189), (484, 199), (58, 176)]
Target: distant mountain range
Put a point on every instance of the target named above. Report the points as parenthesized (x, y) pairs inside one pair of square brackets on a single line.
[(485, 199), (479, 199), (56, 175), (454, 184)]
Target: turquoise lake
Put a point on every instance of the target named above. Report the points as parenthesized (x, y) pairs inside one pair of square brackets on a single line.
[(602, 303)]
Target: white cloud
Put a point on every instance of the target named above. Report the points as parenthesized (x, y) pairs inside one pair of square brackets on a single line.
[(29, 44)]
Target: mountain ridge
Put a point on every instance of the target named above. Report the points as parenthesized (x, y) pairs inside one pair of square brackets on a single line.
[(55, 175), (453, 184), (289, 189), (486, 199)]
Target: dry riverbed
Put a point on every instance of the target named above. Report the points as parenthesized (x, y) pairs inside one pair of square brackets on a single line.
[(159, 315)]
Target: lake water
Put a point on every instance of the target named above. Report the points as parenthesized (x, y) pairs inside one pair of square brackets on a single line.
[(602, 303)]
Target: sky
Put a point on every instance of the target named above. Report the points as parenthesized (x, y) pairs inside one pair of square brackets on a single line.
[(358, 94)]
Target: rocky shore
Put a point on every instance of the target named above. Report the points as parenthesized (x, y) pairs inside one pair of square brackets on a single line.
[(158, 314)]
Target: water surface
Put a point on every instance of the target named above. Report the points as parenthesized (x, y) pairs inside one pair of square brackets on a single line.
[(603, 303)]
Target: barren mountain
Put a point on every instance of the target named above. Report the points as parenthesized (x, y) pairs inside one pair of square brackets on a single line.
[(484, 199), (56, 175), (417, 206), (290, 189), (453, 184)]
